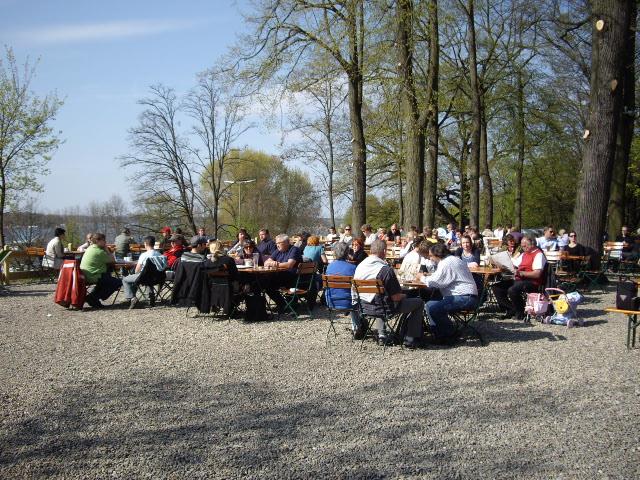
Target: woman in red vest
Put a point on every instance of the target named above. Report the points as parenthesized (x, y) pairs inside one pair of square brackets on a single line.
[(528, 278)]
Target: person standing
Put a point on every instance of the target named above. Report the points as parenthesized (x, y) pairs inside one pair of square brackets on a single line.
[(54, 253), (123, 242)]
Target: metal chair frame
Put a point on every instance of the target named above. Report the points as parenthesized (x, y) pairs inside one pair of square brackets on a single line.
[(376, 287), (305, 274), (336, 282)]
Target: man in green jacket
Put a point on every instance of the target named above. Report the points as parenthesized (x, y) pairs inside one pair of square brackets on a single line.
[(94, 266)]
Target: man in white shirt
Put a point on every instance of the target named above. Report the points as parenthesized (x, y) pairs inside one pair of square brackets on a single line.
[(548, 241), (458, 288), (347, 235), (129, 282), (369, 236), (498, 232), (394, 301)]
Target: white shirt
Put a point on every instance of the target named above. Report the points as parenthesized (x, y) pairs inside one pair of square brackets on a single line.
[(539, 261), (346, 238), (147, 254), (452, 277), (54, 254), (370, 238), (498, 233), (544, 244)]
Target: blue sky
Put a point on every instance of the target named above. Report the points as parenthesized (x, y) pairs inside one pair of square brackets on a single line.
[(101, 56)]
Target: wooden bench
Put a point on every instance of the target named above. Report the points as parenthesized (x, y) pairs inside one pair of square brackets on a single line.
[(632, 325)]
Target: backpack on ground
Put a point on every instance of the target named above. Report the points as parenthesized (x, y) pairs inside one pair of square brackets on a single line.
[(627, 296), (256, 308)]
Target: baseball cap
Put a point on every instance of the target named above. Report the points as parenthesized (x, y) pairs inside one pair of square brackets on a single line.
[(165, 230), (197, 240)]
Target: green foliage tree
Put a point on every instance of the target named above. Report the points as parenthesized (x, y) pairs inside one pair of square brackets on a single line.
[(27, 139)]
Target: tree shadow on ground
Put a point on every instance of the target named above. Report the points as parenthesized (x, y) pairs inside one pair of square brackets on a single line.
[(165, 426)]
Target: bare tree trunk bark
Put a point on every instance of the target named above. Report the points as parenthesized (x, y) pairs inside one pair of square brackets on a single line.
[(487, 184), (607, 57), (520, 139), (463, 185), (414, 162), (617, 199), (474, 170), (359, 148), (433, 127)]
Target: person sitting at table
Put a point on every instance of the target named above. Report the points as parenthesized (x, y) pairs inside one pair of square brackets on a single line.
[(197, 250), (459, 292), (367, 231), (165, 240), (376, 267), (468, 252), (528, 278), (451, 237), (381, 234), (220, 260), (301, 242), (548, 241), (574, 249), (94, 265), (175, 251), (266, 246), (415, 259), (87, 242), (356, 253), (249, 249), (54, 253), (394, 234), (314, 252), (347, 235), (628, 243), (241, 237), (129, 282), (286, 256), (123, 242), (487, 232), (332, 236), (341, 298), (408, 243), (509, 244)]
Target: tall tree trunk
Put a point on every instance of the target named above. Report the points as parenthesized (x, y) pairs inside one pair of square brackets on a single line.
[(617, 199), (358, 145), (463, 184), (520, 139), (487, 184), (433, 126), (414, 166), (607, 58), (3, 199), (474, 160), (331, 170), (400, 192)]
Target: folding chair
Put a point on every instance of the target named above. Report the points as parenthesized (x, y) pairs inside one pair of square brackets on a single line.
[(342, 282), (465, 319), (150, 278), (376, 287), (305, 275)]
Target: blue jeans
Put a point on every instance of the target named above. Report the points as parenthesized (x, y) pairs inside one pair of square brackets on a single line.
[(438, 312)]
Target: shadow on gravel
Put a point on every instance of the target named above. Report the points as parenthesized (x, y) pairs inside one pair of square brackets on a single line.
[(162, 426), (502, 331), (30, 293)]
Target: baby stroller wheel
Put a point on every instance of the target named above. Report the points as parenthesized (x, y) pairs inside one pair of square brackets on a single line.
[(570, 323), (546, 320)]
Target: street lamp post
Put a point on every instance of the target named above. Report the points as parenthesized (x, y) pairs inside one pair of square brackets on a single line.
[(239, 182)]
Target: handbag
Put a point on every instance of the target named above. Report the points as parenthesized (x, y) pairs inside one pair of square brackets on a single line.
[(627, 296)]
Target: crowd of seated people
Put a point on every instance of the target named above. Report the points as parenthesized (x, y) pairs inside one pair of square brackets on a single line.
[(439, 251)]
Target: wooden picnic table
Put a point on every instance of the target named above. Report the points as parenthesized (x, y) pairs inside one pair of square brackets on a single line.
[(485, 270)]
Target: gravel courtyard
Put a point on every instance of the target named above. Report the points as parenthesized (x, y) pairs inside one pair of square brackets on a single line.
[(151, 393)]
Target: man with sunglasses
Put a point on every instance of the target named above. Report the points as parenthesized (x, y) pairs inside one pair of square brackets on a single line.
[(347, 236), (548, 241)]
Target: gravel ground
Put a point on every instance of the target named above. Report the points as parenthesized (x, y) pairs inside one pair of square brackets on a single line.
[(151, 393)]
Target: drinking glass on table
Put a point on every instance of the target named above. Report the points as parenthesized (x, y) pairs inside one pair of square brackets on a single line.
[(256, 259)]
